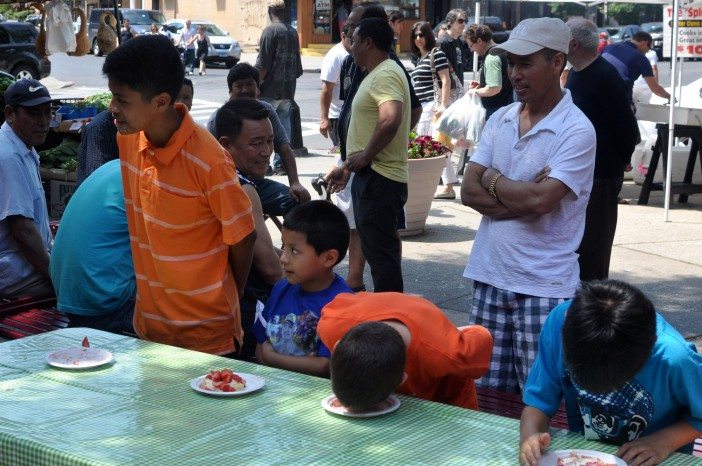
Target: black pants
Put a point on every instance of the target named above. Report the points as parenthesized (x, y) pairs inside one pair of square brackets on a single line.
[(377, 206), (600, 225)]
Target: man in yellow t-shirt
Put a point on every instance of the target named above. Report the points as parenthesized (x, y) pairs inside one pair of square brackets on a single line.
[(377, 148)]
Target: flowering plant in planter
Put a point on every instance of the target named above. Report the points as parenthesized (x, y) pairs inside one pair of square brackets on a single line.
[(424, 147)]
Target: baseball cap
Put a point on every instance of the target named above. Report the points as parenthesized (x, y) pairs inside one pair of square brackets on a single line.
[(27, 93), (534, 34)]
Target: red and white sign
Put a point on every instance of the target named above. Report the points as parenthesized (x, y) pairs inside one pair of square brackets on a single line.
[(689, 31)]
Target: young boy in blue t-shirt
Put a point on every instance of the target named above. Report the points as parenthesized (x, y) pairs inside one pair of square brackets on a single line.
[(626, 375), (315, 239)]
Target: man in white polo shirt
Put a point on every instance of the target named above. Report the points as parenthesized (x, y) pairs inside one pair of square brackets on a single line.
[(531, 179)]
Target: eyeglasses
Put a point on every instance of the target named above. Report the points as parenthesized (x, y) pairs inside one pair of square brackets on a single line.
[(461, 20), (419, 35)]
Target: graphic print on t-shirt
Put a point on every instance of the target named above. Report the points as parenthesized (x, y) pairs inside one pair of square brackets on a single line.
[(294, 335), (615, 417)]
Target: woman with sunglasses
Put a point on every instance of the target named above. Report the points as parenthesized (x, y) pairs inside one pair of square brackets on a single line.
[(432, 86)]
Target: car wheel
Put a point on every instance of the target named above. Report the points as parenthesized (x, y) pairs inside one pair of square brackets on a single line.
[(25, 72), (96, 48), (231, 62)]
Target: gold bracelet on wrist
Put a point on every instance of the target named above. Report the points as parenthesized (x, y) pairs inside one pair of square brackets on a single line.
[(493, 184)]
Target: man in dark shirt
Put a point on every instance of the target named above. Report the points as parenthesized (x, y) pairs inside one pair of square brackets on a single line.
[(598, 91), (98, 145), (451, 43), (630, 61), (280, 65)]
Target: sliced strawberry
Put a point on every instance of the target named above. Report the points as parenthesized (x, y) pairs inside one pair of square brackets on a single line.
[(227, 388), (86, 343), (236, 378), (216, 376)]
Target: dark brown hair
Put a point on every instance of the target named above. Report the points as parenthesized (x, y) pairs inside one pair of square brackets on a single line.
[(429, 40)]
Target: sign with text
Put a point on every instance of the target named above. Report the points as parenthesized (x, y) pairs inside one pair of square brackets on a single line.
[(689, 31), (323, 5)]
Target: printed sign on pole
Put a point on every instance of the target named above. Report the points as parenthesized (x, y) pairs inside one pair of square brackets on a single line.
[(323, 5), (689, 31)]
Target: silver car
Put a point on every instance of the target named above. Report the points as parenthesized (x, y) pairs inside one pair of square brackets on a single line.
[(223, 48)]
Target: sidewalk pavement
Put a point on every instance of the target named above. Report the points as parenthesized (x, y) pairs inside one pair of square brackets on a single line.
[(663, 259)]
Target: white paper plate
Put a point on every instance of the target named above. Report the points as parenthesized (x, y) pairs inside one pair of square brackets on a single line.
[(253, 383), (387, 406), (551, 458), (78, 358)]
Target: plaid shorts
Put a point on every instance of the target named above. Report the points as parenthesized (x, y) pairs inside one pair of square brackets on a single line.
[(515, 322)]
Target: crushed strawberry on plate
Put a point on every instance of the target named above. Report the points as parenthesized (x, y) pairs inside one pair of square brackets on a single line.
[(224, 380)]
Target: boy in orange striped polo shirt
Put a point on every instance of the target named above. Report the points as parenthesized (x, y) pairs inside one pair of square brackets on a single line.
[(190, 223)]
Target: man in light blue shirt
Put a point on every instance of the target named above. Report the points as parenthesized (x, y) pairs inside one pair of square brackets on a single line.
[(91, 263), (25, 237), (189, 57)]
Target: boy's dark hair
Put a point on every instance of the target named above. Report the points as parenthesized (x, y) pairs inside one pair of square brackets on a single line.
[(324, 225), (241, 72), (379, 32), (429, 41), (373, 10), (148, 64), (608, 334), (367, 365), (230, 117), (643, 36), (396, 15), (189, 83), (478, 31)]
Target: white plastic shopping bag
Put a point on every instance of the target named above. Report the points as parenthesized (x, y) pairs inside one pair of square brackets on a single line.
[(463, 120)]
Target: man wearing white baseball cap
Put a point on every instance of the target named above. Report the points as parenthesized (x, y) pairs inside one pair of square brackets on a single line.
[(530, 178), (25, 237)]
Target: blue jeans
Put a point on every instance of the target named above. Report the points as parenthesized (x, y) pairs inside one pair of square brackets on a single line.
[(118, 321), (275, 197), (283, 108)]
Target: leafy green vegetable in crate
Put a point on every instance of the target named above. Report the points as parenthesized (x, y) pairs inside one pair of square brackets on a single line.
[(101, 101), (5, 82), (62, 156)]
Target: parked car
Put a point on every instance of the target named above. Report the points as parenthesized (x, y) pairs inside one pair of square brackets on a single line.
[(140, 20), (223, 48), (18, 55), (624, 33), (656, 31)]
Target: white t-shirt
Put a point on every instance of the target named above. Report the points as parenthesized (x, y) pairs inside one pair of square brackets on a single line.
[(653, 60), (536, 255), (331, 72)]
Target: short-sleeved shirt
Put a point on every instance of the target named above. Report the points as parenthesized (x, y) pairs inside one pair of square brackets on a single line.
[(385, 83), (187, 35), (493, 70), (629, 62), (441, 362), (279, 54), (423, 78), (21, 194), (535, 255), (652, 58), (280, 137), (666, 389), (185, 207), (290, 316), (331, 73), (91, 262), (453, 49)]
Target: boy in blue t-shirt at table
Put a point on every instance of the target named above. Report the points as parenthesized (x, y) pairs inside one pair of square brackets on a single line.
[(315, 239), (626, 375)]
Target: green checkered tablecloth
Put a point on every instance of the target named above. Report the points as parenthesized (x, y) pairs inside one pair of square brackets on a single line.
[(141, 410)]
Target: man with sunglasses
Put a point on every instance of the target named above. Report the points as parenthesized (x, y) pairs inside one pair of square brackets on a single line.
[(451, 43)]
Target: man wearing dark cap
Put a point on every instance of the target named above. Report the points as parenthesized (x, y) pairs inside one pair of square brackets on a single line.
[(530, 178), (25, 237)]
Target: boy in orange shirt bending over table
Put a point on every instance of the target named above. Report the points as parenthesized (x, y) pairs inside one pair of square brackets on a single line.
[(382, 342), (190, 223)]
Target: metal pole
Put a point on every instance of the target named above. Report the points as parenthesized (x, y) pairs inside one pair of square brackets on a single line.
[(475, 54), (118, 27), (671, 115)]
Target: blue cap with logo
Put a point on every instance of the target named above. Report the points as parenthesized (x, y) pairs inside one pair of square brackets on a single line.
[(27, 93)]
